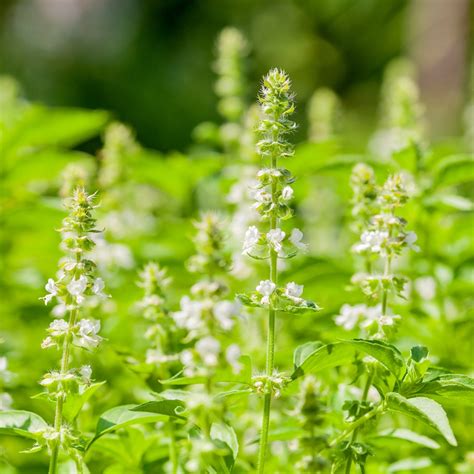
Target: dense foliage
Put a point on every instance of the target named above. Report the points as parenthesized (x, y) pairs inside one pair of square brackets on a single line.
[(172, 334)]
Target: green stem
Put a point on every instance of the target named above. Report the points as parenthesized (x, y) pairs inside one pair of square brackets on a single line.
[(386, 273), (365, 393), (270, 355), (358, 423), (58, 415), (172, 449)]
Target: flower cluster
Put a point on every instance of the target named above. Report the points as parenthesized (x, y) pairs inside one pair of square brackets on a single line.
[(311, 413), (273, 194), (232, 48), (76, 282), (260, 245), (402, 114), (126, 206), (368, 318), (207, 309), (383, 236), (153, 308), (74, 175), (287, 298), (76, 278), (273, 384), (323, 115)]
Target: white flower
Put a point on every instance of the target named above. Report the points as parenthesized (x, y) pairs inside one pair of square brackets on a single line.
[(98, 287), (410, 239), (208, 349), (426, 287), (59, 310), (287, 193), (266, 288), (87, 333), (237, 193), (296, 237), (350, 315), (52, 290), (86, 373), (190, 316), (371, 314), (232, 356), (225, 312), (76, 288), (264, 172), (388, 319), (262, 197), (55, 377), (294, 291), (251, 239), (48, 342), (187, 357), (3, 364), (275, 238), (5, 401), (59, 327), (372, 240)]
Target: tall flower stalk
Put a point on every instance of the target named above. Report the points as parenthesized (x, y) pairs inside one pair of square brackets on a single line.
[(383, 236), (161, 332), (75, 283), (206, 318), (272, 196)]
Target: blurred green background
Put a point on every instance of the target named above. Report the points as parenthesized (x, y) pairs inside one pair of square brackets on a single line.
[(148, 61), (150, 64)]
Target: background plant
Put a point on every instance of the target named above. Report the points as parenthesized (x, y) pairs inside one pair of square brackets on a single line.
[(48, 151)]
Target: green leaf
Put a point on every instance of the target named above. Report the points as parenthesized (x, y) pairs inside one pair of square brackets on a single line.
[(301, 352), (247, 301), (21, 423), (449, 202), (453, 389), (225, 434), (339, 353), (387, 354), (408, 435), (454, 170), (162, 407), (425, 410), (40, 127), (325, 357), (195, 379), (419, 353), (123, 416), (75, 402), (410, 464)]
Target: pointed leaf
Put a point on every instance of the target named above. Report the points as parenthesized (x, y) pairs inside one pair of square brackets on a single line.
[(226, 434), (301, 352), (389, 356), (327, 356), (75, 402), (21, 423), (425, 410), (408, 435), (162, 407), (452, 389), (121, 417)]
